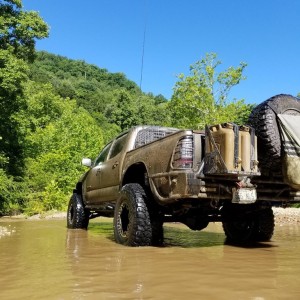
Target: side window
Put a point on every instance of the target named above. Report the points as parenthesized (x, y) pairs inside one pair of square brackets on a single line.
[(118, 146), (103, 154)]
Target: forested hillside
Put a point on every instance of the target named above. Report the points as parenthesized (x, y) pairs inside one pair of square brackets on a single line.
[(115, 102), (68, 113), (55, 110)]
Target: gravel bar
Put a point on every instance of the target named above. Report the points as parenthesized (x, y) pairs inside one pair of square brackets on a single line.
[(287, 215)]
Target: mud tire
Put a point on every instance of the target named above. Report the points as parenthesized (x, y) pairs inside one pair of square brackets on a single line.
[(264, 227), (132, 224), (238, 225), (263, 119), (157, 232), (239, 232), (77, 216), (255, 224)]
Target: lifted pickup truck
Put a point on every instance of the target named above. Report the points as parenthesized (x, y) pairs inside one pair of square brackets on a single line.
[(150, 175)]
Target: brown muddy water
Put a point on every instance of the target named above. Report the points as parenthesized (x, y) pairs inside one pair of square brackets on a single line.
[(44, 260)]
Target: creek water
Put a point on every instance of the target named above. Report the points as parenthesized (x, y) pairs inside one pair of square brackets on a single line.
[(44, 260)]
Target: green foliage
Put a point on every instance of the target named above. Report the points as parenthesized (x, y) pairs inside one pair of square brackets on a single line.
[(92, 87), (6, 185), (11, 194), (58, 135), (12, 74), (202, 97), (132, 109), (19, 29), (78, 75), (114, 101)]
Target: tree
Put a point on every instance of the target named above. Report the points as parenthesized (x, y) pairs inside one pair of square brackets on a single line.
[(12, 74), (18, 31), (58, 134), (202, 97), (131, 109)]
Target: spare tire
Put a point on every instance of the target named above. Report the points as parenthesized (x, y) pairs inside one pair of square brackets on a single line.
[(263, 119)]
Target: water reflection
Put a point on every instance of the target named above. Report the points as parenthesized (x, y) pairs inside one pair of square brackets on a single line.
[(6, 231), (44, 260), (207, 267)]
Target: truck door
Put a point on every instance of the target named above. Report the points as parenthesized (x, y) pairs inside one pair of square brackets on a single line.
[(111, 170), (92, 183)]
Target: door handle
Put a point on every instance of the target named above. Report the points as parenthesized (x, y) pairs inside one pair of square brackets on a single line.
[(115, 164)]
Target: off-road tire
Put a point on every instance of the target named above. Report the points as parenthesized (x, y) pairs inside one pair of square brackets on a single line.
[(263, 119), (255, 224), (240, 231), (157, 232), (156, 219), (77, 216), (132, 224), (238, 225), (264, 227)]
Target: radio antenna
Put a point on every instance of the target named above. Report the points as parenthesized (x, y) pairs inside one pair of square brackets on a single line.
[(143, 47)]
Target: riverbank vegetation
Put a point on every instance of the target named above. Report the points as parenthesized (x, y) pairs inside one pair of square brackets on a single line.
[(55, 110)]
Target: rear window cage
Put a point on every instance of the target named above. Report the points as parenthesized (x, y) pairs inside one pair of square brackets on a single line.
[(151, 134)]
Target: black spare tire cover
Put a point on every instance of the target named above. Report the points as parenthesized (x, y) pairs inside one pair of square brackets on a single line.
[(263, 119)]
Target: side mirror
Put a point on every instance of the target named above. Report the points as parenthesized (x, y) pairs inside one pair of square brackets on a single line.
[(86, 162)]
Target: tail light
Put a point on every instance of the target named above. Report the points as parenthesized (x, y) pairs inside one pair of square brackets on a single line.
[(183, 154)]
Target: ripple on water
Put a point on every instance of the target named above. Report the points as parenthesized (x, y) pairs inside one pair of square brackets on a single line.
[(6, 231)]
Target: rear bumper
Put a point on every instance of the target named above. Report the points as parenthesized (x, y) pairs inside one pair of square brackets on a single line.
[(172, 186)]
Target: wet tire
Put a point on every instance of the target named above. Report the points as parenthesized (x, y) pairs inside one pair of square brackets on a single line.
[(239, 231), (77, 216), (255, 224), (238, 225), (264, 227), (157, 232), (156, 219), (132, 224), (263, 119)]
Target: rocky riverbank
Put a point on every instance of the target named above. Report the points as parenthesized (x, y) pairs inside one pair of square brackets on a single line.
[(282, 215), (286, 215)]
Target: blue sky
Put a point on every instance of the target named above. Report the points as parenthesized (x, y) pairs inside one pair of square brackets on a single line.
[(109, 33)]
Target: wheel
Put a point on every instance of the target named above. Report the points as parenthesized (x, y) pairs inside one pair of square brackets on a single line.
[(254, 224), (132, 224), (239, 231), (238, 224), (156, 219), (263, 119), (157, 232), (77, 216), (264, 227)]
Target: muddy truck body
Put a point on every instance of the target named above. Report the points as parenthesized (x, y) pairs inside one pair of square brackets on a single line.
[(150, 175)]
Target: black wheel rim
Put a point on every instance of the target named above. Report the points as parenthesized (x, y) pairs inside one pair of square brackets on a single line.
[(71, 214), (124, 220)]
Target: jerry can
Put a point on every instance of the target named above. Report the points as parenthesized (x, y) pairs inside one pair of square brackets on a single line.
[(230, 149), (226, 138), (248, 146)]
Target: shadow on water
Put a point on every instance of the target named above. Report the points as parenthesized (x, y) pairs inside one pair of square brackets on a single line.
[(186, 238), (106, 229), (173, 237), (250, 245), (182, 237)]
